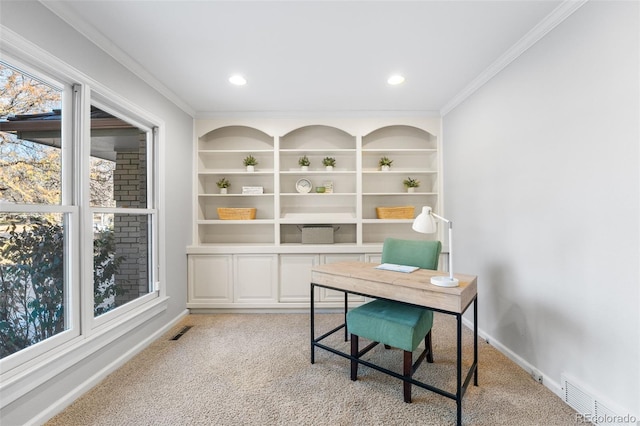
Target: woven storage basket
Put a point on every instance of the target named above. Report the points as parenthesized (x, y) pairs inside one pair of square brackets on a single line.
[(229, 213), (403, 212)]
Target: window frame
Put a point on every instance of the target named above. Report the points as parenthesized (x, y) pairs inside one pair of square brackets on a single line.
[(25, 370), (71, 222), (96, 98)]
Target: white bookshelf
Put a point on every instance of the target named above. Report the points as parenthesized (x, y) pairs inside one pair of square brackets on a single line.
[(272, 241)]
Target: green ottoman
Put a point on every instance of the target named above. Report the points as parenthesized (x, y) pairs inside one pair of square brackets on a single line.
[(392, 324)]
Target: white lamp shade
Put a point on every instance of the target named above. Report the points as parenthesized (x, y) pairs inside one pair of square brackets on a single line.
[(425, 223)]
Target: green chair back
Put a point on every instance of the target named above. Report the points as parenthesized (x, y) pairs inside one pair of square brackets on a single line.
[(423, 254)]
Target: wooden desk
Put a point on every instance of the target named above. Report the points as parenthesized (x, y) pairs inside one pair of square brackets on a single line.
[(413, 288)]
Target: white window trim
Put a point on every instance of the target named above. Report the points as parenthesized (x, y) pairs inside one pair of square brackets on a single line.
[(26, 374)]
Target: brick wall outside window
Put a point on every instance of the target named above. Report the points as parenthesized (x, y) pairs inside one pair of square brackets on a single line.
[(132, 231)]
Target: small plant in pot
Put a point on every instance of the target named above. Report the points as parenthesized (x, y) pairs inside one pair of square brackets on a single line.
[(304, 162), (329, 162), (411, 184), (385, 163), (223, 184), (250, 162)]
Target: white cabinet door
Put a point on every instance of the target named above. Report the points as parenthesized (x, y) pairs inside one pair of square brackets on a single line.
[(295, 276), (210, 279), (255, 278), (327, 295), (373, 258)]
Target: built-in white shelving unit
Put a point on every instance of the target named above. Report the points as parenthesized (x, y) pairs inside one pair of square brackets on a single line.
[(271, 244)]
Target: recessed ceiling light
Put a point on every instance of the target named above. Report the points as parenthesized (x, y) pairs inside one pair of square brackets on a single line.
[(238, 80), (395, 79)]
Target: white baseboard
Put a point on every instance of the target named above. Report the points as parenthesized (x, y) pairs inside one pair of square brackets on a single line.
[(547, 382), (85, 386)]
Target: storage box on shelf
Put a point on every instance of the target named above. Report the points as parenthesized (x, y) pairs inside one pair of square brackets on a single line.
[(234, 213), (402, 212)]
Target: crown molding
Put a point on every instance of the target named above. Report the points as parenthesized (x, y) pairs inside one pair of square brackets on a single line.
[(557, 16), (316, 114), (68, 15)]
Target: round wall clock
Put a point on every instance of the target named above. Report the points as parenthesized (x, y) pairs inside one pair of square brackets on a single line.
[(303, 185)]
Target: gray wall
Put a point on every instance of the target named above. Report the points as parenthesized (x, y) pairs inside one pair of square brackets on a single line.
[(37, 24), (541, 180)]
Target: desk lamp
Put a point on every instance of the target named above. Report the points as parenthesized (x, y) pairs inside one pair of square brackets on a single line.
[(426, 224)]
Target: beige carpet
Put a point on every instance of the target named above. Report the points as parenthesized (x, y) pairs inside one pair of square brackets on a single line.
[(254, 369)]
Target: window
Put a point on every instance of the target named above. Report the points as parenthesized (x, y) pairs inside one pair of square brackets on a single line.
[(72, 177), (121, 153), (34, 242)]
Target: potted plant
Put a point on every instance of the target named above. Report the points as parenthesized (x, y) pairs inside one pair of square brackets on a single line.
[(304, 163), (411, 184), (385, 164), (223, 184), (250, 162), (329, 162)]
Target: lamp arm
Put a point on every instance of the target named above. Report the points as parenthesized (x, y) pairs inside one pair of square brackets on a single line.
[(450, 242), (442, 219)]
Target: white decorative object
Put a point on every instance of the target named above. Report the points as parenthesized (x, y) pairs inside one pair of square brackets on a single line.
[(385, 168), (411, 189), (252, 190), (329, 168), (223, 190), (251, 169), (303, 185), (328, 187), (304, 168)]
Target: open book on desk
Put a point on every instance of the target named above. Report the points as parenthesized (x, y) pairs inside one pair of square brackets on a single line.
[(397, 268)]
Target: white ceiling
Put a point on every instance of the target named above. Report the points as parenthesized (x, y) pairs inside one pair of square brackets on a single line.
[(311, 56)]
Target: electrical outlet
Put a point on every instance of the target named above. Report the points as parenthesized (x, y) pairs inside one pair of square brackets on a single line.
[(536, 375)]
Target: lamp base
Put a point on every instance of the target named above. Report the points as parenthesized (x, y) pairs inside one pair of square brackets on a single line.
[(445, 281)]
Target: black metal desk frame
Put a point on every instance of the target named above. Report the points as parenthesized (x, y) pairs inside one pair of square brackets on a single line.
[(461, 386)]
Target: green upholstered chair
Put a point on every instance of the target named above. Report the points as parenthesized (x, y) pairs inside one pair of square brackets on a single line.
[(392, 323)]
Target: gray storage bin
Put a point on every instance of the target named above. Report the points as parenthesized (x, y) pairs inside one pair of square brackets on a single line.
[(317, 234)]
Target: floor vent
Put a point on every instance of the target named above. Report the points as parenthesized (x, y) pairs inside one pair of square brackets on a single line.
[(588, 408), (181, 332)]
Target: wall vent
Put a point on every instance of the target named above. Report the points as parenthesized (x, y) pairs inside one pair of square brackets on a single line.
[(588, 408), (578, 399)]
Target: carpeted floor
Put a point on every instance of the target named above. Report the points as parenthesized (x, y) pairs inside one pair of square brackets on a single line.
[(254, 369)]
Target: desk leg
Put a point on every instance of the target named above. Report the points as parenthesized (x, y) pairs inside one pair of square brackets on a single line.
[(459, 371), (313, 333), (475, 340), (346, 332)]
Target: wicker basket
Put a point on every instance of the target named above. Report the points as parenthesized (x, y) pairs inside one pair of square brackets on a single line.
[(228, 213), (403, 212)]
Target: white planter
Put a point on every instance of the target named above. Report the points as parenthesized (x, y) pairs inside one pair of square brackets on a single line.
[(223, 190), (329, 168), (251, 168), (412, 189), (304, 168), (385, 168)]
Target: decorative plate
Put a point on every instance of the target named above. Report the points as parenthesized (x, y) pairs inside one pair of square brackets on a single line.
[(303, 185)]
